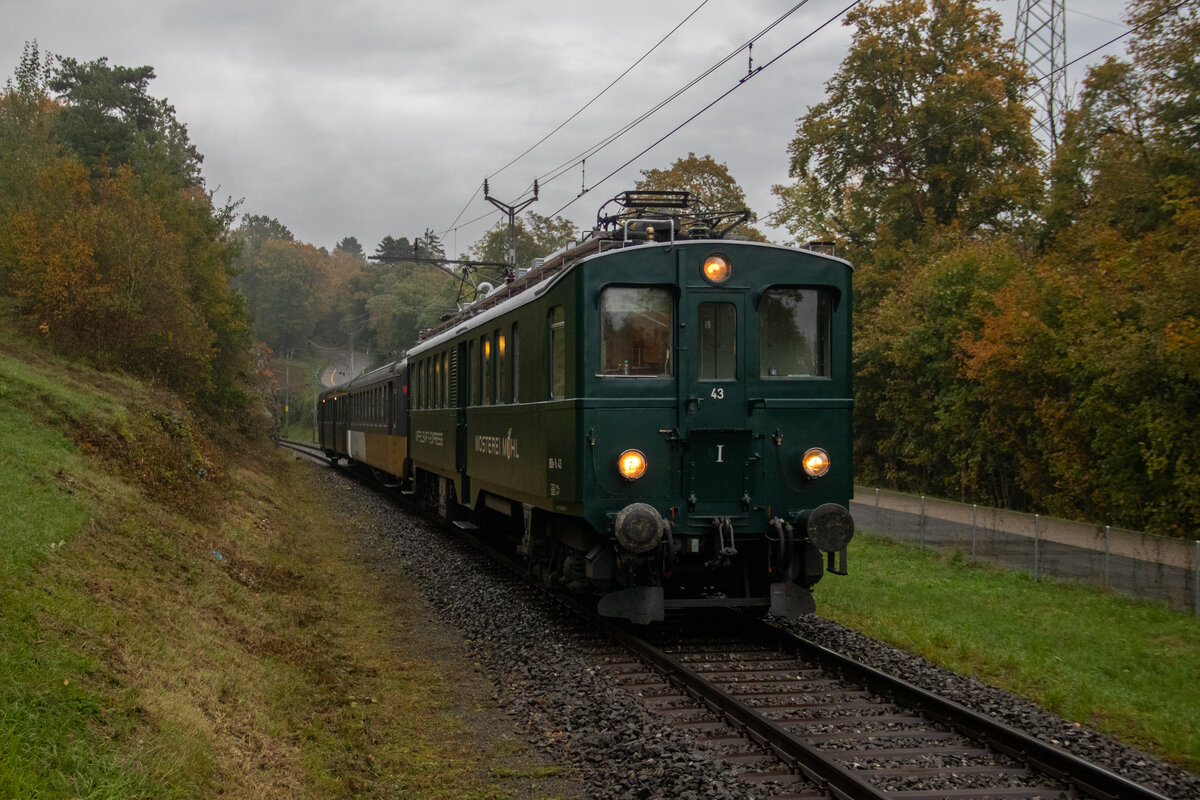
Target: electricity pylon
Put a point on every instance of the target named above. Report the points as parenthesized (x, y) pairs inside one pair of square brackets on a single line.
[(1041, 40)]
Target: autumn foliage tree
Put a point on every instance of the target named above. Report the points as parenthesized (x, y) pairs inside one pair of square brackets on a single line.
[(109, 243), (1106, 322), (1014, 346), (924, 128), (709, 185)]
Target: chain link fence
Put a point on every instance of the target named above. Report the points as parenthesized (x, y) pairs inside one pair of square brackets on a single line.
[(1140, 565)]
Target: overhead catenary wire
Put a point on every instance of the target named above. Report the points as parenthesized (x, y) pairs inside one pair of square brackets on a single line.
[(567, 166), (603, 91), (569, 119), (752, 74), (570, 164)]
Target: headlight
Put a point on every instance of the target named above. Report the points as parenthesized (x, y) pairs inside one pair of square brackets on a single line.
[(716, 269), (816, 462), (631, 465)]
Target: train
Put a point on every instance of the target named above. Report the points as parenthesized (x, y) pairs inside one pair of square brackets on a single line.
[(656, 418)]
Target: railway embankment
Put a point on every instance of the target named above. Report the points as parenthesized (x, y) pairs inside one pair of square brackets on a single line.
[(188, 616), (185, 616)]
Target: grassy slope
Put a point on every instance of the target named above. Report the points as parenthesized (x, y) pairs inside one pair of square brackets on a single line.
[(1121, 666), (180, 625)]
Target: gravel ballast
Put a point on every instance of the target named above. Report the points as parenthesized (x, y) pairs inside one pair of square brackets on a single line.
[(562, 701)]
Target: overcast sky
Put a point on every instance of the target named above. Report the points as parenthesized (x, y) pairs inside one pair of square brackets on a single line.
[(369, 118)]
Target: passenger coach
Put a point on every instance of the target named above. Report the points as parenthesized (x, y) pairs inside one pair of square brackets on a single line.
[(658, 416)]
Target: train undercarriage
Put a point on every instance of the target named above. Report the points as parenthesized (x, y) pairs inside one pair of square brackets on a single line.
[(723, 564)]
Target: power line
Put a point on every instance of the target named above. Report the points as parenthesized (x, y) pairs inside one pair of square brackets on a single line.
[(563, 168), (569, 119), (603, 91), (1063, 68), (753, 73), (1036, 83)]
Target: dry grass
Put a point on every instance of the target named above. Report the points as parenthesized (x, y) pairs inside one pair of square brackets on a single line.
[(183, 632)]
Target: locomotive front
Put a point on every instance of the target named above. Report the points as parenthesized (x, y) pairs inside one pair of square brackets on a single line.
[(715, 440)]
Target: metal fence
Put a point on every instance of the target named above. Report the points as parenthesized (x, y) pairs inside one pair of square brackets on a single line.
[(1140, 565)]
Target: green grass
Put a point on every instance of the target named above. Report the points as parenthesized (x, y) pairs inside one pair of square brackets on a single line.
[(1124, 667), (136, 662), (53, 727)]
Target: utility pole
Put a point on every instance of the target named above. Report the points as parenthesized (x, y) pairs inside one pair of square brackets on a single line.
[(1041, 39), (353, 333), (287, 386), (512, 211)]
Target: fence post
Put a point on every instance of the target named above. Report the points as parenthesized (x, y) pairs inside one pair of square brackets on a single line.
[(1037, 530), (922, 520), (1196, 577), (974, 524)]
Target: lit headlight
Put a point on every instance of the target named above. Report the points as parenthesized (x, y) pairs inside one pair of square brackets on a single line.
[(716, 269), (631, 465), (816, 462)]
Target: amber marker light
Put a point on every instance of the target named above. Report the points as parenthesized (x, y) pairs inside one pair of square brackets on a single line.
[(631, 465), (716, 269), (816, 462)]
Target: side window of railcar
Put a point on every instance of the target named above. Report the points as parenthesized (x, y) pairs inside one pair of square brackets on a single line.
[(558, 353), (489, 367), (473, 361), (516, 365), (503, 384), (636, 326), (795, 333), (432, 380), (446, 402), (718, 341)]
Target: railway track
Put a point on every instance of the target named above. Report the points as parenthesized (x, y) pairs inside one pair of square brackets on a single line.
[(809, 722), (308, 451), (799, 720)]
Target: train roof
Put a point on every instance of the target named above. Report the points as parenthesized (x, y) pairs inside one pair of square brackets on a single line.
[(376, 375), (642, 219), (531, 284)]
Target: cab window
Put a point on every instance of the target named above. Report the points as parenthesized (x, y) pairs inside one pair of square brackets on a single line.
[(636, 324), (794, 333), (718, 341)]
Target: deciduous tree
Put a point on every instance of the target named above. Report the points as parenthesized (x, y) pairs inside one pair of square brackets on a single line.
[(924, 126), (709, 185)]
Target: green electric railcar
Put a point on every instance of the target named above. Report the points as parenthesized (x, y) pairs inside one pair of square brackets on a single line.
[(657, 417)]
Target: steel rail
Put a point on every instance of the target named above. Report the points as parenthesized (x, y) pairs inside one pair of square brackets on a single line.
[(818, 766), (793, 751), (313, 452), (1088, 778)]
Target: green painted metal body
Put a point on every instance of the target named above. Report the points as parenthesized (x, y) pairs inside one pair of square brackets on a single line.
[(523, 405), (714, 448)]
